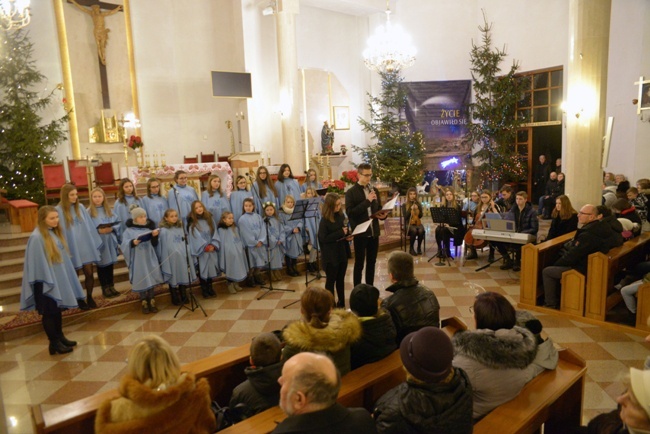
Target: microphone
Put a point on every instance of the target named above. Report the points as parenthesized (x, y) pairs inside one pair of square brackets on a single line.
[(346, 220)]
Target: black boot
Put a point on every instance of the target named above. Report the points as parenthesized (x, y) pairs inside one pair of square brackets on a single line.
[(294, 265), (204, 289), (491, 255), (419, 246), (82, 304), (507, 263), (176, 300), (210, 288), (182, 289), (68, 343), (113, 291), (472, 253), (57, 347), (411, 249), (89, 299), (106, 292)]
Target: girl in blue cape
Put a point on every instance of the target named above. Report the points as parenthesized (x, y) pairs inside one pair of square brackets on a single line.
[(293, 235), (214, 199), (125, 198), (276, 241), (311, 182), (286, 184), (181, 196), (174, 257), (204, 244), (238, 196), (154, 203), (50, 281), (101, 214), (232, 257), (138, 246), (310, 233), (253, 235), (263, 190), (82, 238)]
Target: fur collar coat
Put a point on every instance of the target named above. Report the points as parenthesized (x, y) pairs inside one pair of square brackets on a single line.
[(335, 339), (498, 363), (181, 408)]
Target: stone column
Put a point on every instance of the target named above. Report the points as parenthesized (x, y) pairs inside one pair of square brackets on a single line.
[(586, 98), (289, 85)]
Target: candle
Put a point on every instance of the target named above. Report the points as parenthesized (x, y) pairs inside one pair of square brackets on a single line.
[(155, 160), (162, 159)]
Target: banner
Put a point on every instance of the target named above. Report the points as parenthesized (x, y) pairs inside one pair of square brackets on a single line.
[(439, 110)]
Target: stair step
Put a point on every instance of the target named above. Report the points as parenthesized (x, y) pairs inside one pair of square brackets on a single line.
[(8, 266), (19, 239), (11, 252)]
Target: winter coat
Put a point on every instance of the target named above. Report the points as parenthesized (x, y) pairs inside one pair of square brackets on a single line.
[(498, 364), (412, 306), (596, 236), (335, 339), (525, 219), (561, 227), (612, 238), (414, 407), (377, 340), (260, 391), (332, 420), (181, 408)]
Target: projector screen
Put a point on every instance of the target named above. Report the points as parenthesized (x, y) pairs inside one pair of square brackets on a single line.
[(231, 84)]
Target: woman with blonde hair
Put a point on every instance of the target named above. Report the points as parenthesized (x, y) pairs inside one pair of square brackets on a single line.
[(565, 218), (50, 282), (156, 397), (322, 329), (444, 233)]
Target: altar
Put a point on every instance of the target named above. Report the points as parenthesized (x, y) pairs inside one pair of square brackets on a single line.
[(194, 171)]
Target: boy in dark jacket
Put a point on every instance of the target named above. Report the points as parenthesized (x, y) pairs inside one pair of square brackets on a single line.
[(436, 397), (378, 337), (261, 391)]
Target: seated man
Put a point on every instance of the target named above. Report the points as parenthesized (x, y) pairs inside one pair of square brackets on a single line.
[(261, 390), (378, 337), (436, 397), (412, 306), (310, 385), (549, 192), (506, 201), (589, 238), (526, 222)]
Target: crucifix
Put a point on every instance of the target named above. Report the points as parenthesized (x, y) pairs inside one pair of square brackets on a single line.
[(100, 31)]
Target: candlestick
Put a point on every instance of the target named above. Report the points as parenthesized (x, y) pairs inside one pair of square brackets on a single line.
[(162, 159)]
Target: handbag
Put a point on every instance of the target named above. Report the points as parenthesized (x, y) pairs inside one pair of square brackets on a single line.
[(223, 415)]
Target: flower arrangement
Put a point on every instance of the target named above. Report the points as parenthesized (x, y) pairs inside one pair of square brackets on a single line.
[(135, 142), (350, 176), (334, 186)]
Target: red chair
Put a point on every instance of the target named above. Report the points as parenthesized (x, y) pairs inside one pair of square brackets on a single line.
[(208, 158), (78, 177), (221, 159), (53, 180), (105, 178), (191, 160)]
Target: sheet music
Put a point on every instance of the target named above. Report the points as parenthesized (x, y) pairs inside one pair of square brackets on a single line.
[(362, 227)]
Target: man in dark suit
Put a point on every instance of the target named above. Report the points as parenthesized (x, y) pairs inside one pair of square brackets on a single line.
[(362, 201)]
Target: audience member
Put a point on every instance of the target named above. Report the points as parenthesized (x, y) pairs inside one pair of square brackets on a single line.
[(497, 356), (411, 305), (261, 389), (550, 190), (310, 385), (622, 186), (624, 210), (378, 336), (558, 165), (542, 171), (588, 239), (609, 193), (565, 218), (526, 223), (605, 215), (322, 329), (436, 397), (156, 397), (640, 201)]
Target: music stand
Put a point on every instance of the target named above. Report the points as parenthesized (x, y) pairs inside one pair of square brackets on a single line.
[(268, 256), (444, 216)]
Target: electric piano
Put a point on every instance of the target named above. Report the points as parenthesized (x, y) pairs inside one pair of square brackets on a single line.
[(504, 237)]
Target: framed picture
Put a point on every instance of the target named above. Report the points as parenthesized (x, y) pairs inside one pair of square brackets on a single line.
[(341, 117), (644, 95)]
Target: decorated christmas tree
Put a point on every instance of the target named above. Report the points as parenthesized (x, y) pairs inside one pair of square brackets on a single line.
[(397, 154), (494, 124), (24, 142)]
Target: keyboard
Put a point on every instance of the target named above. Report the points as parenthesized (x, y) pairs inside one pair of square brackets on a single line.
[(505, 237)]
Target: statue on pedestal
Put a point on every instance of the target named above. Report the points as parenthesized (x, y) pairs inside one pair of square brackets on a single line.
[(327, 139)]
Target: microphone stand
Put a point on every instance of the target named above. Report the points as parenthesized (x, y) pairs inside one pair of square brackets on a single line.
[(193, 302), (268, 258)]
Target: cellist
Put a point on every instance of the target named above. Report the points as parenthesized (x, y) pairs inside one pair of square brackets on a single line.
[(485, 205)]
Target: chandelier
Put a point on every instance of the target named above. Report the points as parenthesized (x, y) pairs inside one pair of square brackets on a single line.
[(389, 48), (14, 14)]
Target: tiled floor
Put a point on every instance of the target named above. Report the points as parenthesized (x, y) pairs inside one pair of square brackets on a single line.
[(29, 375)]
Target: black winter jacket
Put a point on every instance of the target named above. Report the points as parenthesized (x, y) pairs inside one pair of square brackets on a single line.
[(525, 220), (596, 236), (377, 339), (427, 408), (259, 392), (412, 306)]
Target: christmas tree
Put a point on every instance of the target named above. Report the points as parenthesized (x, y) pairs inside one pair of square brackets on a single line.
[(24, 142), (397, 156), (494, 124)]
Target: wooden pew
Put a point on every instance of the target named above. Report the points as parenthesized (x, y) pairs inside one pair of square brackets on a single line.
[(643, 307), (359, 388), (601, 271), (553, 399), (534, 258), (224, 371)]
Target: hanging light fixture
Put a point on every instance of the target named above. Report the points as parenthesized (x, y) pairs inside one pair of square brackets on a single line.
[(389, 48), (14, 14)]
